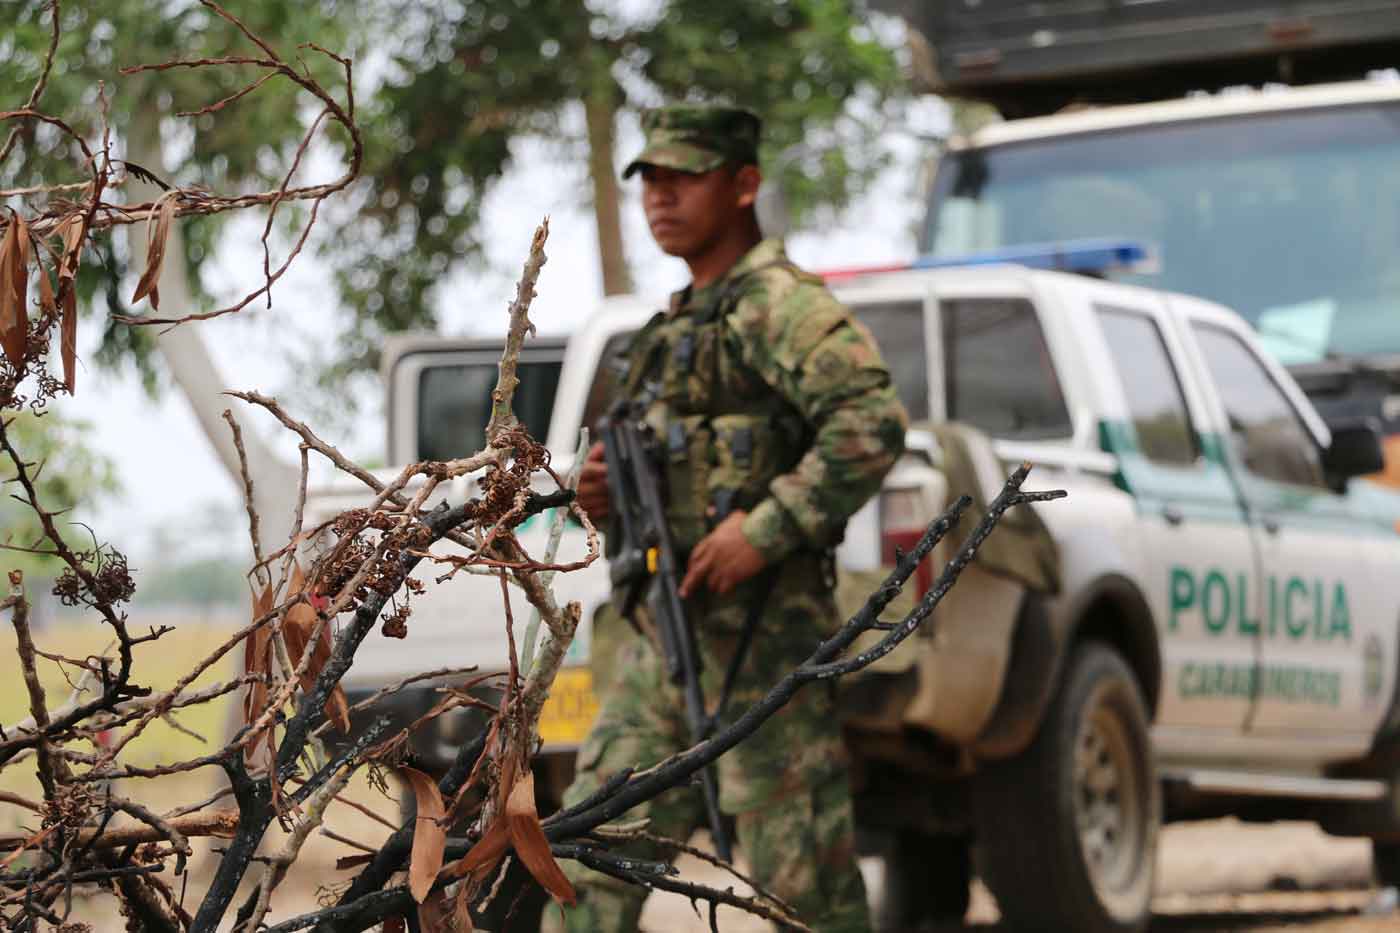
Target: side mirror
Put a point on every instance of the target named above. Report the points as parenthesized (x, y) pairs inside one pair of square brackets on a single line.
[(1355, 451)]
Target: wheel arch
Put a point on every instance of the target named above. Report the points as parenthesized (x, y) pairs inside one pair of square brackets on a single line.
[(1112, 610)]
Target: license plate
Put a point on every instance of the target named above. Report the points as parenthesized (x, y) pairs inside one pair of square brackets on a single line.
[(570, 709)]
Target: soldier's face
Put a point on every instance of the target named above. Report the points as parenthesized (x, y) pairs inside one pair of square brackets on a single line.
[(689, 212)]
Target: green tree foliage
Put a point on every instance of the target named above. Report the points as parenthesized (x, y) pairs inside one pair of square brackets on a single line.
[(452, 84), (245, 146), (69, 474), (799, 63), (468, 77)]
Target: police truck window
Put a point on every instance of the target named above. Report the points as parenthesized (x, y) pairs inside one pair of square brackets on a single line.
[(898, 328), (1264, 429), (1151, 387), (998, 372)]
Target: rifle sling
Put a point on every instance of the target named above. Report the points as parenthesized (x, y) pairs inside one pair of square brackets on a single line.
[(765, 582)]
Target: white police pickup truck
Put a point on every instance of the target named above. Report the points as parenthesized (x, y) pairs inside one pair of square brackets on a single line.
[(1215, 631)]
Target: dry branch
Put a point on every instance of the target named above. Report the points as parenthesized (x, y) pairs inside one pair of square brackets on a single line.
[(41, 248), (192, 825), (51, 767), (308, 624), (247, 494), (98, 214), (502, 415)]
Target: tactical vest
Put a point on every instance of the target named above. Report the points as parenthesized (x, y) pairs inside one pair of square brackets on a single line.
[(723, 434)]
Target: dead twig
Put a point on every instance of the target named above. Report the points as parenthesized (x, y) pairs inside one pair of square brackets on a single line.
[(51, 767), (247, 494), (208, 823), (502, 416), (398, 685)]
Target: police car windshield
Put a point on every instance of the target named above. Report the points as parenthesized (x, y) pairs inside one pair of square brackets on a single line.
[(1291, 219)]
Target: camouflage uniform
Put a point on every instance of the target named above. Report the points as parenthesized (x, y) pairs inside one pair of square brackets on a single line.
[(766, 396)]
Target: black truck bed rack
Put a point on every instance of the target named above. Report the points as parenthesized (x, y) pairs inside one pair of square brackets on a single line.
[(1031, 58)]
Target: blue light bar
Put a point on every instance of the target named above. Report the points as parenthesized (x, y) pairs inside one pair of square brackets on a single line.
[(1087, 257)]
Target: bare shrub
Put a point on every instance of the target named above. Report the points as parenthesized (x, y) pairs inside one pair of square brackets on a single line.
[(311, 611)]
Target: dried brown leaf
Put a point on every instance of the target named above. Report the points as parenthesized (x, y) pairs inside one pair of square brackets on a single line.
[(157, 231), (486, 853), (462, 912), (257, 659), (9, 249), (46, 296), (435, 914), (14, 289), (68, 335), (429, 834), (509, 772), (518, 827), (300, 623), (531, 846), (71, 231)]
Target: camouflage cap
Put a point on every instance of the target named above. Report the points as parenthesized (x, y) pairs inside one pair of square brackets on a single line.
[(697, 138)]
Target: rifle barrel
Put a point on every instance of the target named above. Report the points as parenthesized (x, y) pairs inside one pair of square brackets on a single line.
[(637, 499)]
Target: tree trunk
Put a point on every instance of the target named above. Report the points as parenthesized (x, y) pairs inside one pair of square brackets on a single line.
[(600, 112), (188, 360)]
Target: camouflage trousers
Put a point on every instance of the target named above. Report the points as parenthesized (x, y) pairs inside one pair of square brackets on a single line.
[(785, 787)]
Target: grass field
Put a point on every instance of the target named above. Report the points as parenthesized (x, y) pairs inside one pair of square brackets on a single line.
[(157, 665)]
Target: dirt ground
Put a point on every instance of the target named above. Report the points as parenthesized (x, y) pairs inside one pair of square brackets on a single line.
[(1215, 876), (1218, 876)]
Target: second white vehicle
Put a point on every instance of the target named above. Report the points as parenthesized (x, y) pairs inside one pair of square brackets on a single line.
[(1207, 625)]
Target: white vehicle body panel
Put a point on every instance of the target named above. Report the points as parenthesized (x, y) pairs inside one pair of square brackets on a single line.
[(1103, 530), (1231, 104)]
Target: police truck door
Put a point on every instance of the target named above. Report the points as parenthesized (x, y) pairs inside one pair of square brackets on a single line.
[(1197, 554), (1314, 568)]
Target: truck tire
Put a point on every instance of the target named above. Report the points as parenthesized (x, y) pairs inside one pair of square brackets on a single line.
[(1067, 830), (934, 878), (1385, 862)]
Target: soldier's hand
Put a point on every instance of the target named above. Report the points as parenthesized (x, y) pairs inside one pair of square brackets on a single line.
[(593, 485), (723, 559)]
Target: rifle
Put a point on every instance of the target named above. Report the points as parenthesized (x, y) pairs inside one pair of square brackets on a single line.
[(643, 565)]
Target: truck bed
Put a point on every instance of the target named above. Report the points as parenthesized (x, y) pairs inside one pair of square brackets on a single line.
[(1032, 58)]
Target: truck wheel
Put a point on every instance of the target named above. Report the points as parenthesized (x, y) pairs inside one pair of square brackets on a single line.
[(933, 877), (1067, 830), (1385, 862)]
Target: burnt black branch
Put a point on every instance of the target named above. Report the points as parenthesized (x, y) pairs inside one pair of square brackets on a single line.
[(22, 878), (822, 663), (365, 905), (254, 796), (395, 850), (661, 876)]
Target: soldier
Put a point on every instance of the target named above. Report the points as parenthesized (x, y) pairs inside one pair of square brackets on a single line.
[(777, 420)]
